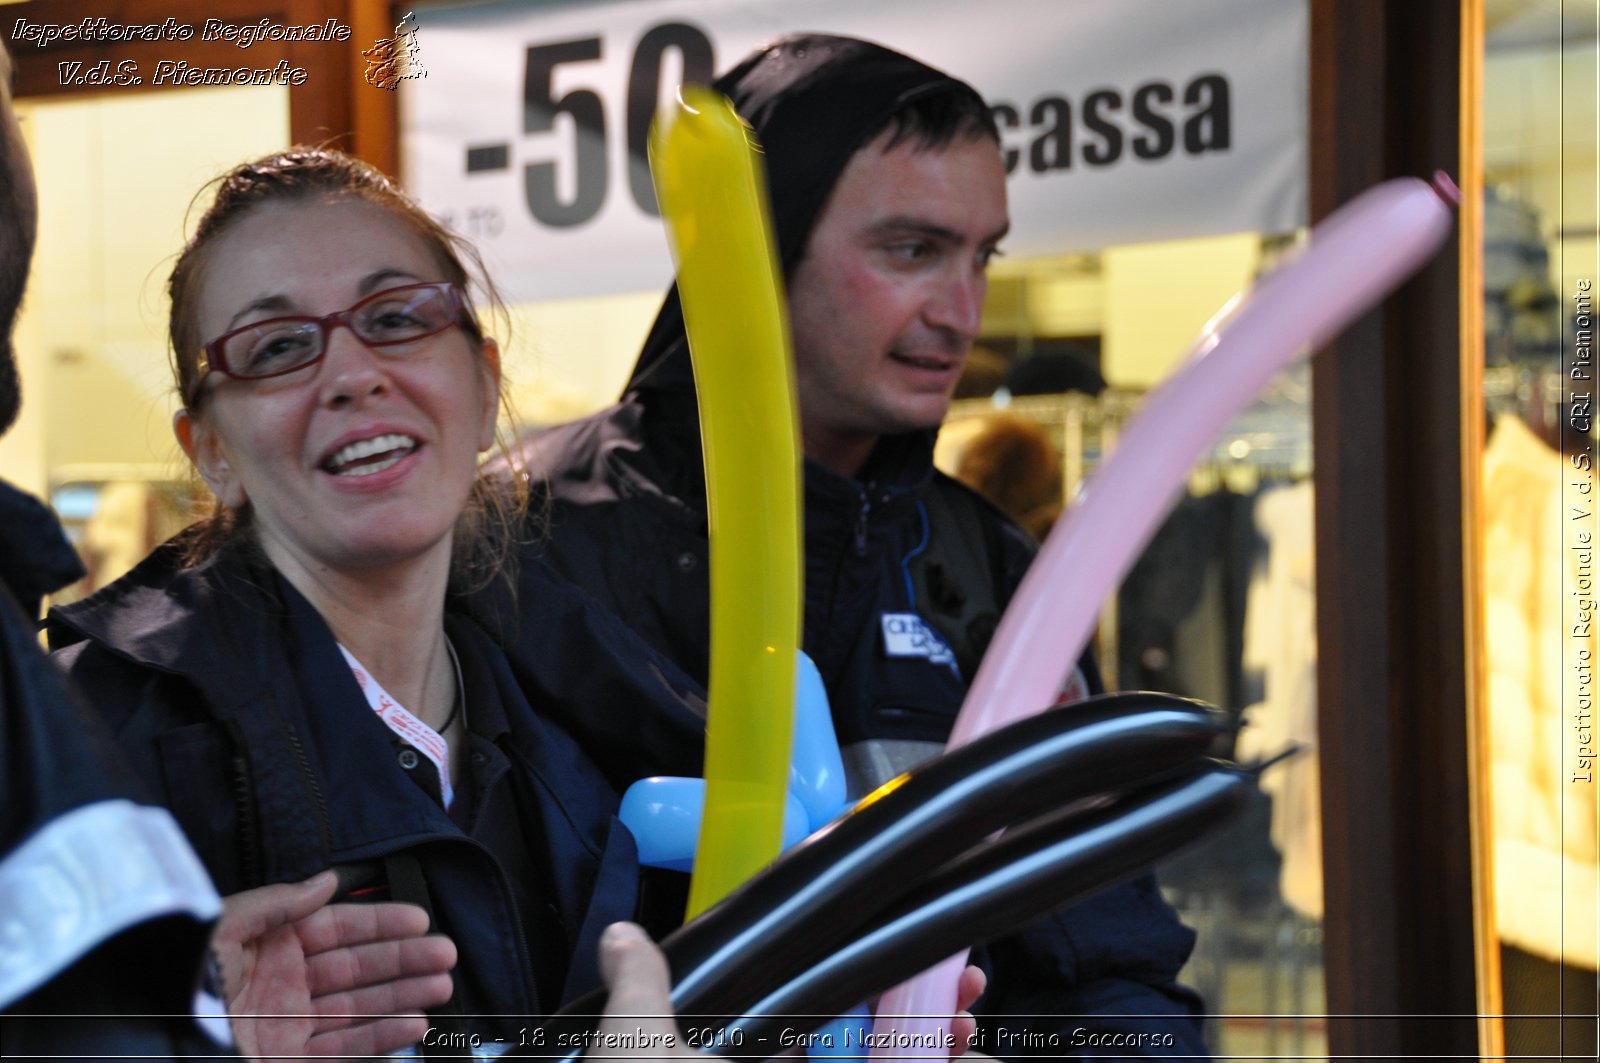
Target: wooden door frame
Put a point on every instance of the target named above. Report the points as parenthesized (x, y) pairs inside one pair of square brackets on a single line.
[(335, 106), (1394, 481)]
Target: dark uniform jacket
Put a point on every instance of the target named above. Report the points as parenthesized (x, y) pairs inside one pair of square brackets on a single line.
[(228, 694), (57, 765), (627, 521)]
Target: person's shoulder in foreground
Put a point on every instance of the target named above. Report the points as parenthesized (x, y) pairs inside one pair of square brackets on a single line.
[(69, 836)]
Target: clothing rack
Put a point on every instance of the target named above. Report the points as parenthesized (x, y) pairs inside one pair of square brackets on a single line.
[(1269, 442), (1242, 903), (1272, 438), (1533, 393)]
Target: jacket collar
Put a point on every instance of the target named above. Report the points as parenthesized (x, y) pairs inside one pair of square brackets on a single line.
[(172, 617), (653, 446), (899, 468)]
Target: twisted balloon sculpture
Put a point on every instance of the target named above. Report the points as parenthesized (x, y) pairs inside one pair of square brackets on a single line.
[(1096, 791), (1352, 260)]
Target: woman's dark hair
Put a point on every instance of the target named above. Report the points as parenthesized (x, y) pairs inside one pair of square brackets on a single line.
[(485, 536)]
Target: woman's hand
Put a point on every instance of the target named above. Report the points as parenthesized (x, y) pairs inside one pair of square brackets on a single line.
[(301, 976), (635, 971), (963, 1027)]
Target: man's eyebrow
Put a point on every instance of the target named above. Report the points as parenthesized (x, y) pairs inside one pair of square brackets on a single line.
[(905, 226)]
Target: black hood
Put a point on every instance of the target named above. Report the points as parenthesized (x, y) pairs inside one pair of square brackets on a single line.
[(813, 100)]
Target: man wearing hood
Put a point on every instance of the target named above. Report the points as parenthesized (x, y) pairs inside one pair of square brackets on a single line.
[(888, 200)]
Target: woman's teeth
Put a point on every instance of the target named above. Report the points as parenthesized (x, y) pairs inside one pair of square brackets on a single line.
[(369, 456)]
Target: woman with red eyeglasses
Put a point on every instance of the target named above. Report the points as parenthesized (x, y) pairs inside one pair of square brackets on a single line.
[(292, 676)]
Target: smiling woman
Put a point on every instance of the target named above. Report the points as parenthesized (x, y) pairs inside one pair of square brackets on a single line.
[(289, 675), (277, 422), (286, 232)]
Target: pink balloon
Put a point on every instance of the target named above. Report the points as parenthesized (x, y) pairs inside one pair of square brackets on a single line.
[(1354, 258), (911, 1018)]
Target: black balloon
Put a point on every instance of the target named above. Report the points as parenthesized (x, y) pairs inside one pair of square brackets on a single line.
[(847, 876), (996, 889)]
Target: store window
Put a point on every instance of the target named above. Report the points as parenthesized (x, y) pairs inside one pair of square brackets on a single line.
[(116, 174), (1537, 519), (1220, 607)]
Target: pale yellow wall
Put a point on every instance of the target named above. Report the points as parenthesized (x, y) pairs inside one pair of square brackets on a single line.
[(1146, 302), (1060, 296), (1159, 296), (573, 356), (116, 174)]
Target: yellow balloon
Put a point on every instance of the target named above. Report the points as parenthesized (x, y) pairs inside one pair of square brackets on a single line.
[(712, 191)]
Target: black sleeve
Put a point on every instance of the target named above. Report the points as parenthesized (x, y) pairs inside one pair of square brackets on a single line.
[(55, 755), (55, 759)]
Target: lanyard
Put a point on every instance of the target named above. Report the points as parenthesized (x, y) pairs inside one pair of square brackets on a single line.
[(411, 730)]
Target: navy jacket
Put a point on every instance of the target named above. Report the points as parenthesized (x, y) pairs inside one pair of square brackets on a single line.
[(228, 695), (627, 521)]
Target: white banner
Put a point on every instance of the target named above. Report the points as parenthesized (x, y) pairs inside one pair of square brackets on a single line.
[(1123, 120)]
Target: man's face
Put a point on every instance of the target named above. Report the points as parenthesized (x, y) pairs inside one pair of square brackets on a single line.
[(887, 300), (18, 213)]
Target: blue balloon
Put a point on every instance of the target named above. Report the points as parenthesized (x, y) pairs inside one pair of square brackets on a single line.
[(663, 813), (816, 770), (849, 1037)]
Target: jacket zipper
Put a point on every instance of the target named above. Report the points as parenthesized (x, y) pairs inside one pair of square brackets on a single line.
[(862, 515), (519, 934), (324, 824), (244, 807)]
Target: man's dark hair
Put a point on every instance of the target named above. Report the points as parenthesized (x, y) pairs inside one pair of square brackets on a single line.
[(933, 123), (16, 250), (815, 99)]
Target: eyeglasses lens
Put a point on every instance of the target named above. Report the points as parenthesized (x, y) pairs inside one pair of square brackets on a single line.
[(386, 319), (273, 347)]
